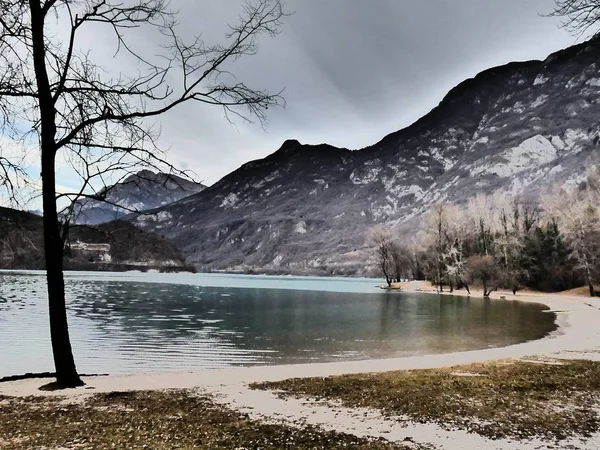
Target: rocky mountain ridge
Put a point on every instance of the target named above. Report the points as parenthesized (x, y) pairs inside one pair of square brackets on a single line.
[(516, 129), (138, 192)]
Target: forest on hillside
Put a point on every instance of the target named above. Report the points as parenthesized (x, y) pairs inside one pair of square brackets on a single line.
[(499, 241)]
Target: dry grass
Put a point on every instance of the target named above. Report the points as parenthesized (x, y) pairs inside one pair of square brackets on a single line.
[(503, 399), (153, 420)]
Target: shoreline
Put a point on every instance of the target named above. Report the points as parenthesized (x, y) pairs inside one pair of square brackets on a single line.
[(577, 337)]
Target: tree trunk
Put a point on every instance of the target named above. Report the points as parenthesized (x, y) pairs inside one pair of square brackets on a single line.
[(487, 293), (388, 280), (66, 373), (387, 276), (588, 276)]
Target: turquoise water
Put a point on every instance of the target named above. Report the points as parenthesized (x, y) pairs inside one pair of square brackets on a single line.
[(139, 322)]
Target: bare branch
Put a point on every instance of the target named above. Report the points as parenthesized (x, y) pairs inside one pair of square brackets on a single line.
[(579, 16)]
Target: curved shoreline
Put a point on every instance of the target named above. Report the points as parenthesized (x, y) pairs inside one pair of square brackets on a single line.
[(577, 336)]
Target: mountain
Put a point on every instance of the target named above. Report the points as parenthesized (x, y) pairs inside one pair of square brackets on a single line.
[(138, 192), (516, 129), (116, 245)]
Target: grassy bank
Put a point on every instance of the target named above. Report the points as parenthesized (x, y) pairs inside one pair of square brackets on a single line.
[(513, 399), (153, 420)]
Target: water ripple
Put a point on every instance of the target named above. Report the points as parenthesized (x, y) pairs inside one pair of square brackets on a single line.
[(122, 323)]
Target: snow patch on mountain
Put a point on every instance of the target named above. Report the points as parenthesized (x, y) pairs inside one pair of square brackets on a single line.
[(366, 175), (447, 162), (300, 227), (382, 211), (573, 139), (531, 153), (403, 191), (539, 101), (558, 143), (593, 82), (131, 205), (160, 216), (393, 181), (556, 169), (229, 201)]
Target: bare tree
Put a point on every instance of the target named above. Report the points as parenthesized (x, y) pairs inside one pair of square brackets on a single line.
[(401, 260), (579, 16), (76, 109), (11, 173), (577, 212), (516, 220), (484, 269), (456, 232), (435, 227), (17, 242), (446, 228), (381, 239), (417, 261), (482, 211), (593, 183)]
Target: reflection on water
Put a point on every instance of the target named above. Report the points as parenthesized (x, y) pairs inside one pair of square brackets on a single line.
[(119, 324)]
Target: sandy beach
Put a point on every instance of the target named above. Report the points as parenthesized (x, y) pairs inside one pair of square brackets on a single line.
[(577, 337)]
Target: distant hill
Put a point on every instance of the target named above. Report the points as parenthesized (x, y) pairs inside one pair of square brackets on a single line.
[(515, 129), (138, 192), (116, 245)]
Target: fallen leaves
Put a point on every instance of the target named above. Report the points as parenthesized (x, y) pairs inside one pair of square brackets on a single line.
[(157, 420)]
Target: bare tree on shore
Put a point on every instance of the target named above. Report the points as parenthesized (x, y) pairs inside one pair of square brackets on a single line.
[(484, 269), (435, 227), (577, 211), (381, 239), (456, 233), (53, 92)]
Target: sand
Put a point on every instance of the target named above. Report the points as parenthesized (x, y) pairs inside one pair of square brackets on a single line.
[(578, 336)]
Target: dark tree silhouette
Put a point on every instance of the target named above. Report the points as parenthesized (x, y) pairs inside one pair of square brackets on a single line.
[(54, 93), (580, 17), (381, 240), (484, 269)]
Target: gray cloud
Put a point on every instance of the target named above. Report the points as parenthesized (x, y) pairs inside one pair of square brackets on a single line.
[(353, 71)]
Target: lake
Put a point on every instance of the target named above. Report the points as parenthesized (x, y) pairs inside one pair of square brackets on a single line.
[(139, 322)]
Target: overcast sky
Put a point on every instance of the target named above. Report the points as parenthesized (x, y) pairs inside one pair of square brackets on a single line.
[(353, 70)]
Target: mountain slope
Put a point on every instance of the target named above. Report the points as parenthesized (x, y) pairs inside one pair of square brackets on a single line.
[(517, 129), (116, 245), (138, 192)]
